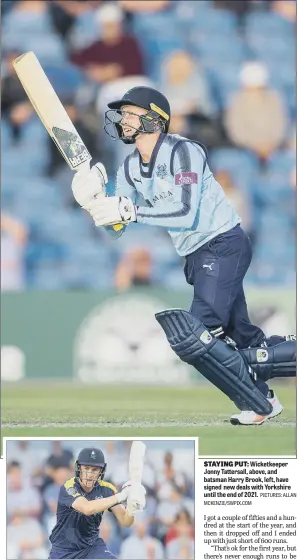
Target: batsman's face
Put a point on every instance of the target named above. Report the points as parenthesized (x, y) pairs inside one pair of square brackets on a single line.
[(89, 476), (130, 118)]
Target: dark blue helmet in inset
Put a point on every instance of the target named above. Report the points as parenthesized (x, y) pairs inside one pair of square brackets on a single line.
[(90, 456)]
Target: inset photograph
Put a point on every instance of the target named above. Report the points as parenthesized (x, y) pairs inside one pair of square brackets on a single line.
[(98, 499)]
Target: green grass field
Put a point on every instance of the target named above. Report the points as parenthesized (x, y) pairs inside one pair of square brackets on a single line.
[(64, 409)]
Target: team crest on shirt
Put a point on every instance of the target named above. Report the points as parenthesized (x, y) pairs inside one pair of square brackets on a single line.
[(71, 491), (162, 170)]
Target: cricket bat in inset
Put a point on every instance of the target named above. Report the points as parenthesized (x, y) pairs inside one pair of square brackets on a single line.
[(52, 113), (136, 460)]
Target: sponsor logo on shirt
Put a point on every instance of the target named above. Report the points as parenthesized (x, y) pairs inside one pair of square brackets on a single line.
[(162, 195), (186, 178)]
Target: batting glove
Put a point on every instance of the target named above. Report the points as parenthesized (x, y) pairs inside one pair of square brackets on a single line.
[(89, 184), (136, 498), (123, 495), (112, 210)]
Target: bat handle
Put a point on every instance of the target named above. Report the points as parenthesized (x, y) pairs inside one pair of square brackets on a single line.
[(117, 227)]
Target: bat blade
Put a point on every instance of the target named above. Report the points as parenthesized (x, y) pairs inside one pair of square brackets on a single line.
[(52, 114), (51, 111), (136, 460)]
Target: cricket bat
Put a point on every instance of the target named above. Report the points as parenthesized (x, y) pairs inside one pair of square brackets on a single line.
[(136, 460), (52, 113)]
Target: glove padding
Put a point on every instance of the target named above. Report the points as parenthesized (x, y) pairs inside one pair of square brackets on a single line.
[(112, 210), (136, 498), (89, 184), (123, 495)]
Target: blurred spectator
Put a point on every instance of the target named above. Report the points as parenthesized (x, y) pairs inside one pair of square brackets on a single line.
[(31, 7), (184, 84), (134, 270), (29, 457), (65, 12), (170, 474), (60, 457), (182, 548), (256, 118), (13, 248), (25, 535), (183, 526), (144, 5), (22, 498), (59, 475), (170, 503), (89, 137), (139, 546), (115, 54), (192, 112), (239, 7), (285, 8), (14, 102), (237, 197)]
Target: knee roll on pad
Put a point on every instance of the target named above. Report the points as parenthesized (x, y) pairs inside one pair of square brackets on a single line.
[(218, 362), (273, 361)]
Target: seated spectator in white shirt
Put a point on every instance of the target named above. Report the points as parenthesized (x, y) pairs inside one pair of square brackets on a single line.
[(256, 117), (182, 548), (141, 546), (184, 84), (26, 535), (22, 498)]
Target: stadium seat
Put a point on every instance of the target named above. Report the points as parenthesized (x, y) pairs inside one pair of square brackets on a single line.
[(88, 265), (155, 25), (34, 130), (282, 162), (277, 51), (6, 135), (66, 226), (48, 47), (22, 22), (215, 22), (65, 78), (216, 52), (85, 30), (267, 23), (242, 164), (48, 276)]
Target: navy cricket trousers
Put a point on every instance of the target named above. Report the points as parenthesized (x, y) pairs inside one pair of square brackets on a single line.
[(97, 552), (216, 271)]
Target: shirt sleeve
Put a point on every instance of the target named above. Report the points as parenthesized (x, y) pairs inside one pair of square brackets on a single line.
[(122, 188), (109, 490), (188, 165), (68, 495)]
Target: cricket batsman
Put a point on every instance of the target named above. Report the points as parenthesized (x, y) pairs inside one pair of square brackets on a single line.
[(81, 504), (166, 181)]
